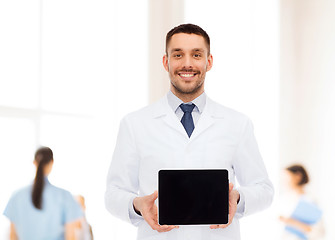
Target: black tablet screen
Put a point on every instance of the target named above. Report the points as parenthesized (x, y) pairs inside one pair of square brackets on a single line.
[(189, 197)]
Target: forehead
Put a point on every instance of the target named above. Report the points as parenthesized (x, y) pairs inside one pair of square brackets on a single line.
[(186, 42)]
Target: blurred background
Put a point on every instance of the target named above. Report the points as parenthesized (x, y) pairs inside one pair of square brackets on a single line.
[(71, 69)]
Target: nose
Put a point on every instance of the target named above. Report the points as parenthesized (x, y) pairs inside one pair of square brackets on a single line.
[(188, 63)]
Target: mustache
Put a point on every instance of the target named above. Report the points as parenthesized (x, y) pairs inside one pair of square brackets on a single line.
[(187, 70)]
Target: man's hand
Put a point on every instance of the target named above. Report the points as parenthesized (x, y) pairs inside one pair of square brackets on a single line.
[(147, 207), (234, 197)]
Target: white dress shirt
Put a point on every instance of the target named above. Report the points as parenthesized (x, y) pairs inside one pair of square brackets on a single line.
[(199, 102)]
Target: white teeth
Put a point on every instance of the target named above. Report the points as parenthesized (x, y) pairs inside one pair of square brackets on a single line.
[(186, 75)]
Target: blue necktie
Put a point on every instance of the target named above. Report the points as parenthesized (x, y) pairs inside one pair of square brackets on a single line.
[(187, 119)]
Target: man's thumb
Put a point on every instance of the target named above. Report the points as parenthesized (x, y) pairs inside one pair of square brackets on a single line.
[(231, 186), (154, 195)]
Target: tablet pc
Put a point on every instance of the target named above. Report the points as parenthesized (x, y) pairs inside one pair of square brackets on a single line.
[(193, 197)]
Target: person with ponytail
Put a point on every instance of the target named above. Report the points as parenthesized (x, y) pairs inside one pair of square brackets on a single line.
[(42, 211)]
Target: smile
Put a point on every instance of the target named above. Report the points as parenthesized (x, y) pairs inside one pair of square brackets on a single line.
[(187, 75)]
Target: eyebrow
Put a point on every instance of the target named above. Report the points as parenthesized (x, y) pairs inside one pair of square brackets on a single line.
[(193, 50), (176, 49), (198, 50)]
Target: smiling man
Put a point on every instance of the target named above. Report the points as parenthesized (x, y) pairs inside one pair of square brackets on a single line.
[(187, 60), (187, 130)]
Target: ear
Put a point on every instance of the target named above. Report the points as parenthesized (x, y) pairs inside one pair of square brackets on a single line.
[(209, 62), (47, 169), (166, 62)]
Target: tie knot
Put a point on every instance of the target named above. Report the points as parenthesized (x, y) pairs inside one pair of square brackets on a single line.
[(187, 107)]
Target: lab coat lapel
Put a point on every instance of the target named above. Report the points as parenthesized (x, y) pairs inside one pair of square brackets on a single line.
[(207, 119), (166, 114)]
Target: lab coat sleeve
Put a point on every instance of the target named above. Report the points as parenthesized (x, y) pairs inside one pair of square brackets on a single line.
[(122, 179), (255, 187)]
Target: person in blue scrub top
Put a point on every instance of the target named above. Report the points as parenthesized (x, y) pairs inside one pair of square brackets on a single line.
[(42, 211), (301, 214)]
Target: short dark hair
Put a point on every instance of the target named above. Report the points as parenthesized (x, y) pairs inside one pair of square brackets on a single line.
[(189, 29), (299, 169)]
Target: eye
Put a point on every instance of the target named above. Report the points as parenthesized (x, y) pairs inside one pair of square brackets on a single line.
[(177, 55), (197, 55)]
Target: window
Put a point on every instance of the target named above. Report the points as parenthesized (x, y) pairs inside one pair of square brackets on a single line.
[(70, 69)]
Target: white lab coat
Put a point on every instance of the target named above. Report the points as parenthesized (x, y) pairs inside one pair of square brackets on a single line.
[(153, 138)]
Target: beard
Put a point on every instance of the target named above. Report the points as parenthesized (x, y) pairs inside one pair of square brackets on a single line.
[(187, 88), (198, 86)]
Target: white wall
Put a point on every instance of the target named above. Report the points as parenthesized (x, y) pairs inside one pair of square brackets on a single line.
[(307, 93), (163, 16)]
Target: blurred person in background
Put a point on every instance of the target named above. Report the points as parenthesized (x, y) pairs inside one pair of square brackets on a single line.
[(301, 215), (42, 211), (83, 228)]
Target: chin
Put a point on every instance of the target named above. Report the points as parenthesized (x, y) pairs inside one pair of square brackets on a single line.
[(190, 88), (189, 91)]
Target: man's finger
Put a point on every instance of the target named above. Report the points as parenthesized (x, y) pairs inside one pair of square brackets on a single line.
[(219, 226), (153, 224), (153, 196), (160, 228), (163, 228), (231, 186), (166, 228)]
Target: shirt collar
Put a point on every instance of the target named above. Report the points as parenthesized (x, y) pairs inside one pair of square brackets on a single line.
[(174, 101), (46, 181)]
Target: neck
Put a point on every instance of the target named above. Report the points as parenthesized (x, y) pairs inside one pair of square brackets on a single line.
[(299, 190), (186, 97)]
